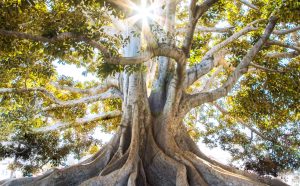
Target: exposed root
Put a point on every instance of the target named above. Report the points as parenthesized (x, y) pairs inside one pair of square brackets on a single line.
[(195, 177), (142, 178), (114, 165), (16, 181), (162, 169), (117, 172), (215, 175), (133, 176), (73, 175), (144, 162), (195, 154), (124, 169)]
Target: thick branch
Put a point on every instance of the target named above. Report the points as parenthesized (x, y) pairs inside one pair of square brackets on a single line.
[(207, 63), (211, 79), (161, 50), (283, 55), (283, 32), (204, 97), (108, 83), (233, 37), (208, 29), (110, 94), (79, 121), (60, 37), (46, 93), (168, 51), (196, 11), (265, 68), (213, 29), (285, 45)]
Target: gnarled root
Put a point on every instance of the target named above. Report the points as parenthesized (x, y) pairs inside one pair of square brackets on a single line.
[(71, 175)]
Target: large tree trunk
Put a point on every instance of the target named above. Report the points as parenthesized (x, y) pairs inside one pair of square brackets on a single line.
[(148, 149)]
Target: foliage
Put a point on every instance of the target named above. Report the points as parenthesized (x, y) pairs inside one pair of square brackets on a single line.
[(32, 151), (25, 64), (262, 101), (265, 102)]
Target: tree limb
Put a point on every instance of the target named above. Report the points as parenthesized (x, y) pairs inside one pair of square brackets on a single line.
[(110, 94), (283, 55), (194, 100), (285, 45), (234, 37), (211, 79), (108, 83), (59, 37), (160, 50), (283, 32), (208, 29), (196, 11), (79, 121), (213, 29), (207, 63), (45, 92), (265, 68)]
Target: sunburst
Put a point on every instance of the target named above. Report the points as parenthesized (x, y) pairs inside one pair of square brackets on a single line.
[(144, 13)]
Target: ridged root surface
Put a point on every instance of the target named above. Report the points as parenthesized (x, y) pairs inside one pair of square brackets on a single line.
[(141, 161)]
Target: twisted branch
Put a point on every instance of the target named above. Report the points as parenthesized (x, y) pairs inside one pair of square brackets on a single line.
[(45, 92), (108, 83), (159, 50), (283, 54), (191, 101), (207, 63), (283, 32), (110, 94), (265, 68), (196, 11), (282, 44)]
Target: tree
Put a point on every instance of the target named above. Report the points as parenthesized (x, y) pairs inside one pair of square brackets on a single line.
[(157, 77)]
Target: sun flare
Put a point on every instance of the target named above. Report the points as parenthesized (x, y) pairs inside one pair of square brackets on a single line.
[(143, 12), (144, 15)]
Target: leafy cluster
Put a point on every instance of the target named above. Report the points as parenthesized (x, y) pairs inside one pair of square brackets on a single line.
[(29, 64)]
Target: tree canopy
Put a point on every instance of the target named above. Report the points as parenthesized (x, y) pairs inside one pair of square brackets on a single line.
[(237, 63)]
